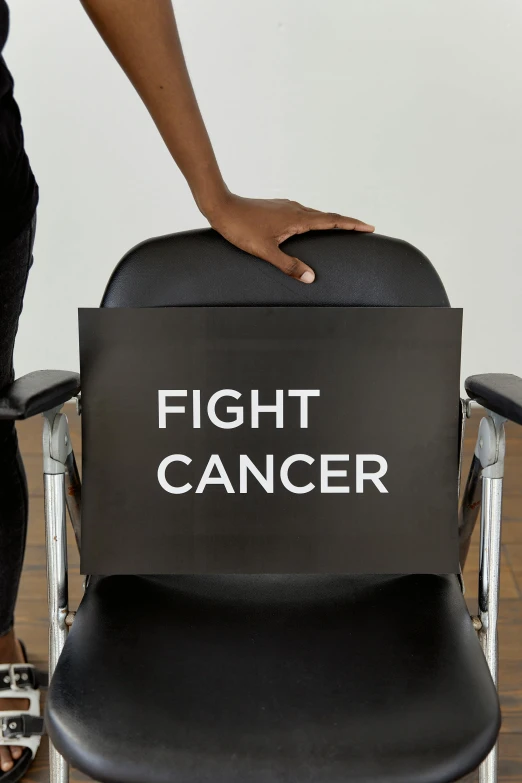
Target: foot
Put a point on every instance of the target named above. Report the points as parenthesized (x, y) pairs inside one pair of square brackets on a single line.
[(11, 652)]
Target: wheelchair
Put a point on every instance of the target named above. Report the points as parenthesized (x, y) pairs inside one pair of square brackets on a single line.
[(270, 679)]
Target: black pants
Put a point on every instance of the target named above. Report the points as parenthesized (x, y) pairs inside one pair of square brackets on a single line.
[(15, 262)]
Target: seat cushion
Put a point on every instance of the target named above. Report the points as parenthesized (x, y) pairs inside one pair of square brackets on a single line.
[(258, 679)]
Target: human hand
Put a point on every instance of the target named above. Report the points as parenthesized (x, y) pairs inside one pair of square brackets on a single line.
[(259, 226)]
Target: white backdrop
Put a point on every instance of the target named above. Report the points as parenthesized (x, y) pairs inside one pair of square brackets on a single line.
[(406, 114)]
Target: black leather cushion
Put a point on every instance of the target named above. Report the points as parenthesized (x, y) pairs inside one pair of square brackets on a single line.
[(37, 392), (273, 679), (202, 268), (499, 392)]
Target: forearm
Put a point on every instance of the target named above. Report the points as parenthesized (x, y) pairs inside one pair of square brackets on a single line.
[(142, 35)]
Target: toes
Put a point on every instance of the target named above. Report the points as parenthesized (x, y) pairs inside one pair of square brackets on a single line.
[(8, 755), (6, 761)]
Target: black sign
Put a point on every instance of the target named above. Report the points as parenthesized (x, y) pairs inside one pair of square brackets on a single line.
[(270, 440)]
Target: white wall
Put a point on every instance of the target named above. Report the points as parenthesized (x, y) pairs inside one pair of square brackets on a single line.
[(406, 114)]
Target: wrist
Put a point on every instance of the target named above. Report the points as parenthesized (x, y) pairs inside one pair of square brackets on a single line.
[(212, 198)]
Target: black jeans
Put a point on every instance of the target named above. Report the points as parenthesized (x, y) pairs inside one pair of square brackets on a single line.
[(15, 263)]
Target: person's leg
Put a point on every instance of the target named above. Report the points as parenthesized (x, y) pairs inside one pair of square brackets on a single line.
[(15, 262)]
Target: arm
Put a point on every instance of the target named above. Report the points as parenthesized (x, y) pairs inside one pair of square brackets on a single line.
[(143, 37)]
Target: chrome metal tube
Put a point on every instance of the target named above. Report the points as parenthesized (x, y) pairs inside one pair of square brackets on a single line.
[(73, 495), (489, 588), (464, 412), (58, 767), (57, 591), (489, 569), (488, 768), (469, 509)]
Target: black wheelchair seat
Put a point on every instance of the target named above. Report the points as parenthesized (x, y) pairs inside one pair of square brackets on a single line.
[(272, 679)]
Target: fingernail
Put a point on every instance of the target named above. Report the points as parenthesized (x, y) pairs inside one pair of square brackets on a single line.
[(307, 277)]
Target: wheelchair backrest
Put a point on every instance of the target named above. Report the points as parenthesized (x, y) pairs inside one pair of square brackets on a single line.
[(191, 316), (201, 268)]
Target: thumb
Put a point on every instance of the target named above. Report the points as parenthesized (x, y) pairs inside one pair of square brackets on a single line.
[(291, 266)]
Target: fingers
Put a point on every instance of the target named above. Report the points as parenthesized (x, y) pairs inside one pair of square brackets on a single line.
[(325, 220), (314, 221), (291, 266), (16, 751), (6, 762), (320, 221)]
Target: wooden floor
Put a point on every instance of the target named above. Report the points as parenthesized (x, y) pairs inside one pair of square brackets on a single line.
[(32, 609)]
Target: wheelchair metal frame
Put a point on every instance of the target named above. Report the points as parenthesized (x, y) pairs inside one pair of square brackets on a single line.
[(62, 490)]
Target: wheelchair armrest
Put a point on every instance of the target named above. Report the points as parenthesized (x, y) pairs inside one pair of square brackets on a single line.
[(37, 392), (498, 392)]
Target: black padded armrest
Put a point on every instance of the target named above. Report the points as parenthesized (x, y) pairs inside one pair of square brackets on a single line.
[(499, 392), (37, 392)]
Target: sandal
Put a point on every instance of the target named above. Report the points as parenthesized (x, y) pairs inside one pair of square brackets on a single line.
[(21, 727)]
